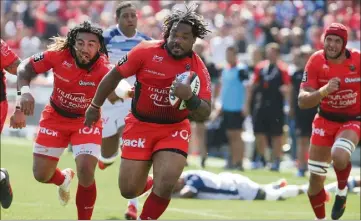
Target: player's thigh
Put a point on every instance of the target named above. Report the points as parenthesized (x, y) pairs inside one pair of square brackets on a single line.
[(138, 140), (109, 124), (86, 141), (50, 143), (168, 165), (133, 175), (347, 138)]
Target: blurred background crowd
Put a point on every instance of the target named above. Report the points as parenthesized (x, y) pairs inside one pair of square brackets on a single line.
[(247, 26)]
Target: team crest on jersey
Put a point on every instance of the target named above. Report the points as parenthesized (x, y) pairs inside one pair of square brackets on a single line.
[(123, 60), (188, 67), (352, 67), (38, 57), (304, 76)]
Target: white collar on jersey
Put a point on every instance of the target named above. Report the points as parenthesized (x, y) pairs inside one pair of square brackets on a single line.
[(120, 31)]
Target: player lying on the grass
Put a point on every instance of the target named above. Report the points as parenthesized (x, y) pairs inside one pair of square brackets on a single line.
[(201, 184)]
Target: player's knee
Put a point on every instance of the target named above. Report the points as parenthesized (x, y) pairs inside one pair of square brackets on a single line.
[(163, 189), (41, 175), (341, 152), (316, 183), (318, 168), (128, 193), (85, 174)]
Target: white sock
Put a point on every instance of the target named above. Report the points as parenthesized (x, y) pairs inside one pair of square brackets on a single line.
[(133, 202), (341, 192), (332, 187), (3, 176)]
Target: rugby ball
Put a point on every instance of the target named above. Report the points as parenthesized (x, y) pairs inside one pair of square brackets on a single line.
[(190, 78)]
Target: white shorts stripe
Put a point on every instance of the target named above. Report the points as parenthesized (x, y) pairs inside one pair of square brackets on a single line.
[(55, 152), (89, 148)]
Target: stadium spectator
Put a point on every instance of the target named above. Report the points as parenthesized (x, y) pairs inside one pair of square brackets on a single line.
[(271, 81), (233, 94)]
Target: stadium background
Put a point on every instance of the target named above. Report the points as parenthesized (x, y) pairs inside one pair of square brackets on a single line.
[(27, 25)]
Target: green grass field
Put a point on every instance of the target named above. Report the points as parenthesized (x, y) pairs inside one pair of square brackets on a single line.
[(33, 200)]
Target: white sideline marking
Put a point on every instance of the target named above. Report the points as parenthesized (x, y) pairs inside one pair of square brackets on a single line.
[(184, 211), (199, 213)]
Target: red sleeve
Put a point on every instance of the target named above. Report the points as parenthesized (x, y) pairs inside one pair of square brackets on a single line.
[(7, 55), (44, 61), (130, 63), (310, 74), (205, 79)]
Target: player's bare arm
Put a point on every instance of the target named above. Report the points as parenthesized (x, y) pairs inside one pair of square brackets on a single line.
[(310, 97), (186, 192), (249, 91), (13, 67), (202, 112), (17, 120), (26, 73), (106, 86)]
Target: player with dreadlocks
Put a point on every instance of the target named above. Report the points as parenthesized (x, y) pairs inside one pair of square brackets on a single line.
[(155, 132), (79, 62)]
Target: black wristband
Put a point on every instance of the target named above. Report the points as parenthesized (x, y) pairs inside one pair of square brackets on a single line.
[(94, 106), (19, 93), (193, 103)]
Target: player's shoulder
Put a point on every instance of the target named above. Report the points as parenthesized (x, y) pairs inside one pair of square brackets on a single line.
[(55, 54), (151, 46), (111, 32), (318, 56), (354, 53), (242, 66)]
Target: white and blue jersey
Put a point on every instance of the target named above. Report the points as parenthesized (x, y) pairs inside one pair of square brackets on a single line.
[(226, 186), (118, 45)]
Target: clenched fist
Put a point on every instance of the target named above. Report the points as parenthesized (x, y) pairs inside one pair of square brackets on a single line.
[(180, 90), (332, 86), (27, 104)]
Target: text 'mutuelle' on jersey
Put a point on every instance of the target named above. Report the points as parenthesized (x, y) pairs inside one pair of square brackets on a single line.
[(188, 77)]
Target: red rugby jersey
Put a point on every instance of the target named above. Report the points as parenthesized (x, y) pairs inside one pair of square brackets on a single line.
[(155, 71), (74, 88), (7, 58), (318, 71)]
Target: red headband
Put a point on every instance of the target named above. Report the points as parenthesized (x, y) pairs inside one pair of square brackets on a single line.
[(339, 30)]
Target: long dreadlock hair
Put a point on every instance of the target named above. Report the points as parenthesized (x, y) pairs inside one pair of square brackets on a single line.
[(61, 43), (188, 16)]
